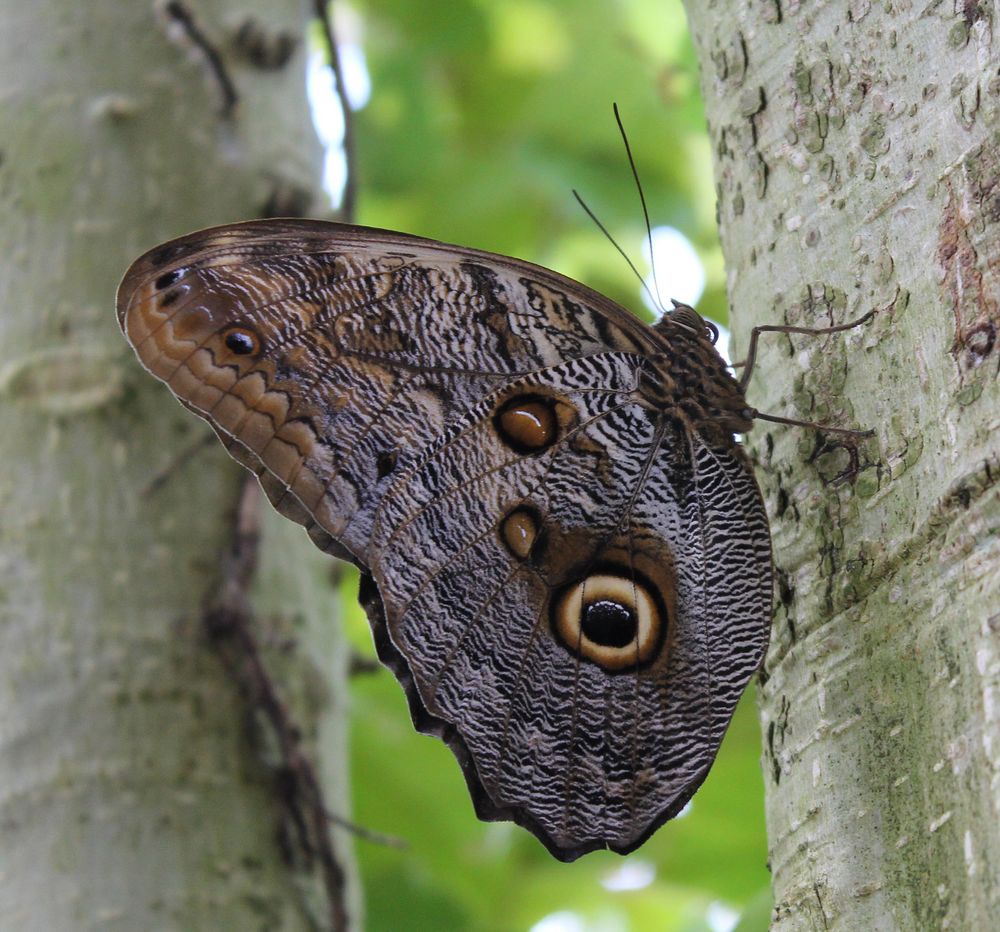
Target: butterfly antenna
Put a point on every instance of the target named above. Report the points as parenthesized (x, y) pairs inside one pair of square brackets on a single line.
[(621, 251), (642, 200)]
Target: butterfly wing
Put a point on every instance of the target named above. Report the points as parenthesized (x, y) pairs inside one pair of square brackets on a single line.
[(573, 587), (362, 343), (587, 744)]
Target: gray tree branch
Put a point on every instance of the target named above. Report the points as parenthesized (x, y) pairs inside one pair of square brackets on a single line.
[(857, 168)]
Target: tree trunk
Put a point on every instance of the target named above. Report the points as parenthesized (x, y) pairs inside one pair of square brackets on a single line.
[(857, 168), (130, 795)]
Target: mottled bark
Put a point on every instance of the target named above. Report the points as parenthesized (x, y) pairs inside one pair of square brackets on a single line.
[(857, 167), (132, 794)]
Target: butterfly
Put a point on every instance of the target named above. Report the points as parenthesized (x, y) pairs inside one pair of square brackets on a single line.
[(564, 554)]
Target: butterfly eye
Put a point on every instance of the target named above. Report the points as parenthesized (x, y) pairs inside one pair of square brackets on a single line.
[(687, 318), (241, 341), (613, 620)]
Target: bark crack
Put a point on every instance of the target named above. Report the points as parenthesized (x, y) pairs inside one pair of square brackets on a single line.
[(229, 620), (183, 19)]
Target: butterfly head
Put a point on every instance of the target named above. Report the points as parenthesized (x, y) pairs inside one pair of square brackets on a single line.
[(683, 318)]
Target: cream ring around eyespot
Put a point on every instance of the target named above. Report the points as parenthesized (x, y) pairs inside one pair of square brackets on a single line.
[(630, 598)]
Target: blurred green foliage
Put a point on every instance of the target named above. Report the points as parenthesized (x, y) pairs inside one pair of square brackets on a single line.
[(484, 115), (487, 113)]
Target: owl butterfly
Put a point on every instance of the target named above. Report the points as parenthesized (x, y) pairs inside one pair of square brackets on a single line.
[(564, 553)]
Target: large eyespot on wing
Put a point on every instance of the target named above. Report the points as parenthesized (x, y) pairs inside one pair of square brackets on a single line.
[(582, 635), (614, 615)]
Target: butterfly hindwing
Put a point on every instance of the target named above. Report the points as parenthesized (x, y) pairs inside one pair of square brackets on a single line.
[(588, 755)]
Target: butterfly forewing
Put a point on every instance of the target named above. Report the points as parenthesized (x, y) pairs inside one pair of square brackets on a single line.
[(572, 582)]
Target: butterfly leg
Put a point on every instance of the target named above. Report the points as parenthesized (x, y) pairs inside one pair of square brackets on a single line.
[(748, 363), (847, 431)]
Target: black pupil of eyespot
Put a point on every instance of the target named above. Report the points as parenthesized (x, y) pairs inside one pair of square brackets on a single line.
[(240, 343), (608, 623)]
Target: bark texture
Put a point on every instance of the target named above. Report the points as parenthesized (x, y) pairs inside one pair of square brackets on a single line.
[(130, 794), (858, 167)]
